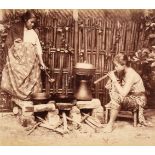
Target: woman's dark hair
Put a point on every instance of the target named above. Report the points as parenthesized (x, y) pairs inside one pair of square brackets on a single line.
[(122, 59), (28, 15)]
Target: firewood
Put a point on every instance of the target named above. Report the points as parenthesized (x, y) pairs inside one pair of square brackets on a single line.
[(93, 121), (53, 119), (84, 118), (73, 121), (44, 107), (90, 124), (50, 128), (15, 110), (64, 122), (33, 128), (97, 124), (41, 119)]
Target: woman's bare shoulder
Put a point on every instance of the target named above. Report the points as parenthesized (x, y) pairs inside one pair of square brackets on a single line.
[(131, 70), (131, 73)]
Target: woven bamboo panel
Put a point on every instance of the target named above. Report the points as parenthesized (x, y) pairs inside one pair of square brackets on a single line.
[(100, 35)]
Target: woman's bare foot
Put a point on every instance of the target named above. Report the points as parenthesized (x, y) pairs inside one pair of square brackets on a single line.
[(108, 128), (146, 123)]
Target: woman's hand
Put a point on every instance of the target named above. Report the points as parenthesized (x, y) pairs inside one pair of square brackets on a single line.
[(43, 66), (18, 40), (112, 76)]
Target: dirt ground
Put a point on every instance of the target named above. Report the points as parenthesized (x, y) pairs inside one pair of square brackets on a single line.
[(13, 134)]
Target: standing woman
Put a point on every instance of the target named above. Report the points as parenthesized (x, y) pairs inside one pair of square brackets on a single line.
[(126, 91), (21, 74)]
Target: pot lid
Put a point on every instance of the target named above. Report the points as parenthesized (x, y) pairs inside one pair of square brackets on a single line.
[(84, 66)]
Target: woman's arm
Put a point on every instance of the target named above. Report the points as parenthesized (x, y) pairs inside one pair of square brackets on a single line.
[(39, 52), (123, 90), (9, 39), (43, 66)]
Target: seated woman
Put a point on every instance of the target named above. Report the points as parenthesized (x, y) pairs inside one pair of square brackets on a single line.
[(126, 90)]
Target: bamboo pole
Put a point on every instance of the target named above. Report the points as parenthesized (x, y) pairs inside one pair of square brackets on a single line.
[(92, 39), (76, 55), (85, 40)]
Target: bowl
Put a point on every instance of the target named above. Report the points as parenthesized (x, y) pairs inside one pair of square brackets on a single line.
[(40, 96)]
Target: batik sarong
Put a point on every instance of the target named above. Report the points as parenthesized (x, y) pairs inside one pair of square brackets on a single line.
[(21, 74)]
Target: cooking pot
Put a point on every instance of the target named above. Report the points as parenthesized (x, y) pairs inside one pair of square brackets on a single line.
[(84, 69), (40, 96), (63, 97)]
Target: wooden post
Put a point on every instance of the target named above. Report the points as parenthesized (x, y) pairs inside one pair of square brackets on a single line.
[(64, 122), (1, 15), (75, 16)]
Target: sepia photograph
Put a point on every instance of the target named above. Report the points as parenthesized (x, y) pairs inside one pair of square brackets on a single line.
[(77, 77)]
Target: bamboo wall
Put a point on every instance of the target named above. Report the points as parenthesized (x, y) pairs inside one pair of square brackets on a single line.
[(94, 40), (98, 40)]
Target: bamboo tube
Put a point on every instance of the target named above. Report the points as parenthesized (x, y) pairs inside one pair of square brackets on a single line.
[(102, 78)]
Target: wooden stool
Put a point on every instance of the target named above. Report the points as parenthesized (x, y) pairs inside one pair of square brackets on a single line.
[(134, 113)]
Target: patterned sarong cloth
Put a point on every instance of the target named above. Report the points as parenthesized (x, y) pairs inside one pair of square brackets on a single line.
[(21, 74), (130, 102)]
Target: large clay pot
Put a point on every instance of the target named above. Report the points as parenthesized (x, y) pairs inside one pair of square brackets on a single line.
[(83, 92)]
